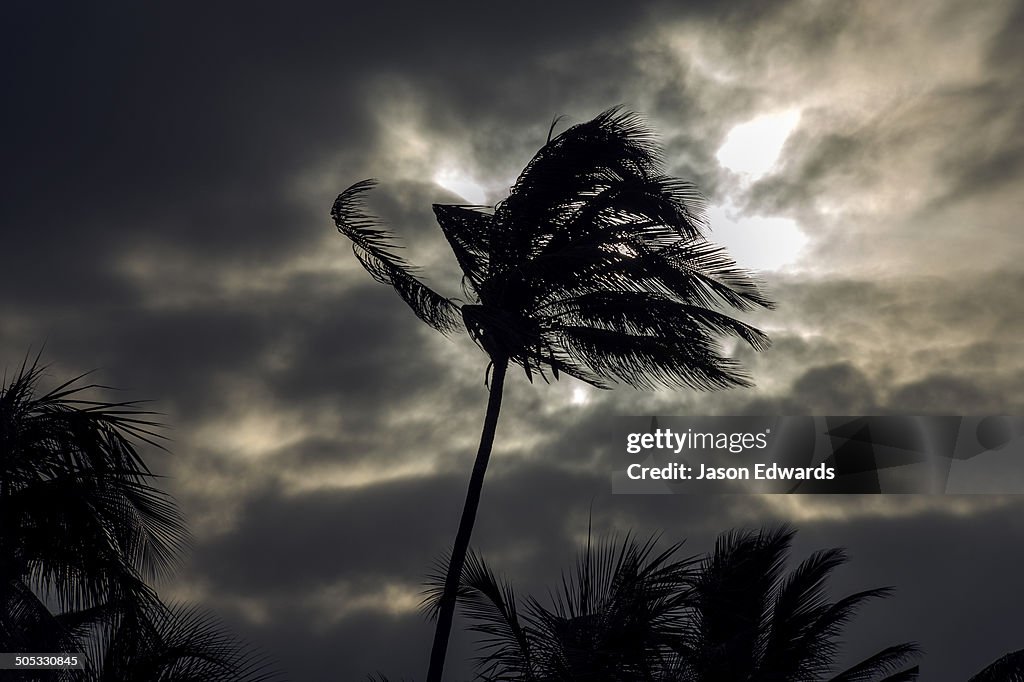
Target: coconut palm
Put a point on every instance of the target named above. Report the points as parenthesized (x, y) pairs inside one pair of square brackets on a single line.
[(614, 618), (80, 525), (748, 619), (735, 615), (80, 530), (596, 266)]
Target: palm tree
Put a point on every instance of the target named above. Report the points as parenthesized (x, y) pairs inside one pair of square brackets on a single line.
[(80, 525), (614, 618), (595, 266), (748, 619), (735, 615), (80, 529)]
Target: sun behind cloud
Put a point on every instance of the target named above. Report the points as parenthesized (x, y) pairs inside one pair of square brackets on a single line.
[(752, 148), (460, 183)]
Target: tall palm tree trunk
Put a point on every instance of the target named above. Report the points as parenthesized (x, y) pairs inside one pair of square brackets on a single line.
[(446, 610)]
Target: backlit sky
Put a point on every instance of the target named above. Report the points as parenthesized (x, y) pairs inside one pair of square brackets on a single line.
[(168, 175)]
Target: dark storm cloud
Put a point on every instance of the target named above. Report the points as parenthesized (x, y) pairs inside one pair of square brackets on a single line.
[(164, 127), (310, 540), (935, 556), (290, 548), (298, 343), (827, 158), (1005, 48), (176, 129), (821, 163), (292, 557), (368, 642), (168, 173)]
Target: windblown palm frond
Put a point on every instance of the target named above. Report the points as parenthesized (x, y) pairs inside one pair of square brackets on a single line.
[(374, 249), (751, 620), (596, 265), (79, 521), (28, 625), (491, 604)]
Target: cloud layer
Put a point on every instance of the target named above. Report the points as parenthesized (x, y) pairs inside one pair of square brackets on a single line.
[(169, 173)]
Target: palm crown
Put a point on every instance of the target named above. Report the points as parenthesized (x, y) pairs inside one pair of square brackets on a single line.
[(78, 517), (615, 617), (632, 614), (81, 526), (750, 619), (596, 265)]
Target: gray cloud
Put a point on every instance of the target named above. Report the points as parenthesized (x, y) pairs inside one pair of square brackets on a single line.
[(169, 172)]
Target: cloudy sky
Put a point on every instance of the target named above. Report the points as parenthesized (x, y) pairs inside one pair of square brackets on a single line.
[(168, 176)]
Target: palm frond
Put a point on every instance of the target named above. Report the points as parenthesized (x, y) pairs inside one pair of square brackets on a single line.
[(577, 163), (653, 210), (886, 662), (374, 248), (731, 600), (644, 313), (797, 639), (593, 239), (179, 644), (908, 675), (615, 614), (78, 516), (468, 232), (490, 604), (26, 624), (647, 361)]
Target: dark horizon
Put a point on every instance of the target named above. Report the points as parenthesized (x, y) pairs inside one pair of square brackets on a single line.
[(170, 172)]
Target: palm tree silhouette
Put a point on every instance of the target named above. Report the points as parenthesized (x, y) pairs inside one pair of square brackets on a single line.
[(633, 615), (748, 619), (615, 617), (80, 529), (595, 265), (79, 522)]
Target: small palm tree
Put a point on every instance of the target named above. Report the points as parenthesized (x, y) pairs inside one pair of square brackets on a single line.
[(596, 266), (80, 525), (80, 528), (735, 615), (749, 620), (615, 617)]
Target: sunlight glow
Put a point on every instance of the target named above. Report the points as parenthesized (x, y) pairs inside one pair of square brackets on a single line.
[(885, 506), (460, 183), (343, 599), (580, 396), (756, 242), (752, 148), (254, 433), (340, 477)]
